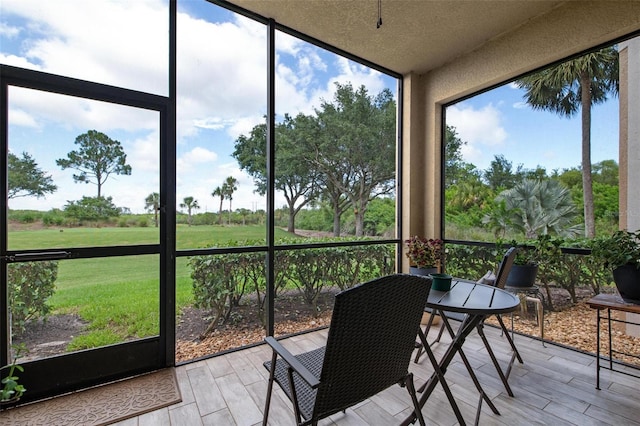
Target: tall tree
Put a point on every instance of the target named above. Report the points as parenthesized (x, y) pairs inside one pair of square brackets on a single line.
[(500, 173), (571, 86), (219, 192), (152, 203), (229, 187), (454, 164), (26, 179), (99, 156), (190, 204), (355, 147), (294, 175)]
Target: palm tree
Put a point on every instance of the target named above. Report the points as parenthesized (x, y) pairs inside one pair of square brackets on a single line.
[(540, 207), (190, 204), (152, 202), (219, 192), (572, 85), (229, 187)]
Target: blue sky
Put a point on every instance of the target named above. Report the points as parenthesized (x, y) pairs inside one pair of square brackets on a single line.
[(221, 95)]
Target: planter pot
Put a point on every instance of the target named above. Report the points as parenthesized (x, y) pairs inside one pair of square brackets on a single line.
[(441, 282), (627, 279), (522, 276), (423, 272)]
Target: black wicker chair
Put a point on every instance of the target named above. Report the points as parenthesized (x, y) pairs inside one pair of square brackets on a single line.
[(368, 349)]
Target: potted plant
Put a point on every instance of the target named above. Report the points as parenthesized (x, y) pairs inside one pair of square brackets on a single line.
[(11, 390), (525, 267), (620, 252), (425, 254)]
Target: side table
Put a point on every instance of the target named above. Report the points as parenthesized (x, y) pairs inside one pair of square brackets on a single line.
[(611, 302)]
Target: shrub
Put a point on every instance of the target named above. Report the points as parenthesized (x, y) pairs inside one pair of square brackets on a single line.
[(30, 285)]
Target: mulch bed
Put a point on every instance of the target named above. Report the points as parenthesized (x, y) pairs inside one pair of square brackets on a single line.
[(570, 324)]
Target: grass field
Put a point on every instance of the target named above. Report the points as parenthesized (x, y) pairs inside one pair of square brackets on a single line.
[(119, 296)]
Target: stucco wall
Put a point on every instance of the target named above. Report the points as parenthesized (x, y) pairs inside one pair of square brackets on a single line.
[(573, 27)]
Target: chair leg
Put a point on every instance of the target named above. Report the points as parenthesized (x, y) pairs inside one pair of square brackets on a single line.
[(412, 391), (509, 337), (426, 333), (269, 388)]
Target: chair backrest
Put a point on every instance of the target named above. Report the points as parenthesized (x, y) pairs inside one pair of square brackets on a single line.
[(505, 267), (370, 340)]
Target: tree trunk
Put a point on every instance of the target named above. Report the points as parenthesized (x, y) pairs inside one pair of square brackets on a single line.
[(587, 185), (359, 213), (220, 212), (291, 224)]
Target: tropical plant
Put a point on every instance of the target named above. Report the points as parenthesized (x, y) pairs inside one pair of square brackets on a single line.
[(423, 252), (99, 156), (219, 192), (538, 207), (152, 202), (575, 85), (229, 187), (190, 204)]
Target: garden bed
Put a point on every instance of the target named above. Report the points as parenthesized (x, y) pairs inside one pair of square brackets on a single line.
[(571, 325)]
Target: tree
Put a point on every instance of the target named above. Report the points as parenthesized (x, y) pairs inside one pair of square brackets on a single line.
[(500, 173), (152, 203), (26, 179), (219, 192), (229, 186), (575, 85), (454, 165), (91, 209), (537, 207), (190, 204), (99, 156), (294, 176), (354, 146)]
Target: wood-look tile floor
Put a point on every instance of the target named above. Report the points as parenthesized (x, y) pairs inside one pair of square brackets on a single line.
[(554, 386)]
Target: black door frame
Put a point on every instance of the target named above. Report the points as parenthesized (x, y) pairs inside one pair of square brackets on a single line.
[(64, 373)]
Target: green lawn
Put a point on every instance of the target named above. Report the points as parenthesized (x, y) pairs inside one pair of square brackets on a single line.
[(119, 296)]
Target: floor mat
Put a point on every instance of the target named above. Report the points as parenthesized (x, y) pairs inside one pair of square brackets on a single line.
[(101, 405)]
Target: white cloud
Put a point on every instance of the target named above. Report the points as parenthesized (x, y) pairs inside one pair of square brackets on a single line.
[(520, 105), (477, 126), (8, 31), (221, 83), (480, 128)]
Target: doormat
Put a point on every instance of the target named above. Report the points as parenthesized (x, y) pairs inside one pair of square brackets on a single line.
[(101, 405)]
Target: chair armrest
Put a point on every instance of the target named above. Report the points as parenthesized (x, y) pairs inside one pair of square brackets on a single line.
[(297, 366)]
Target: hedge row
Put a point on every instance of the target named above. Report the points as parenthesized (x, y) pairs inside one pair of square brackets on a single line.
[(221, 281)]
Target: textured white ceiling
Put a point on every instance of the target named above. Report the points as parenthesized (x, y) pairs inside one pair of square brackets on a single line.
[(416, 35)]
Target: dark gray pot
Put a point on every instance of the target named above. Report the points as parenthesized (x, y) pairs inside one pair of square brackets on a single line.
[(522, 276), (424, 272), (627, 279)]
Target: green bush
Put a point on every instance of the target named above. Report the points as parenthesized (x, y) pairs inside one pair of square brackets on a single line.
[(30, 285), (221, 281), (53, 217)]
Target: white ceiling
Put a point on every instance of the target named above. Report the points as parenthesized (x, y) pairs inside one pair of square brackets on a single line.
[(416, 35)]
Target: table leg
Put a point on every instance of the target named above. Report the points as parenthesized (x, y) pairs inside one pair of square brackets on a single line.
[(468, 325), (598, 350)]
